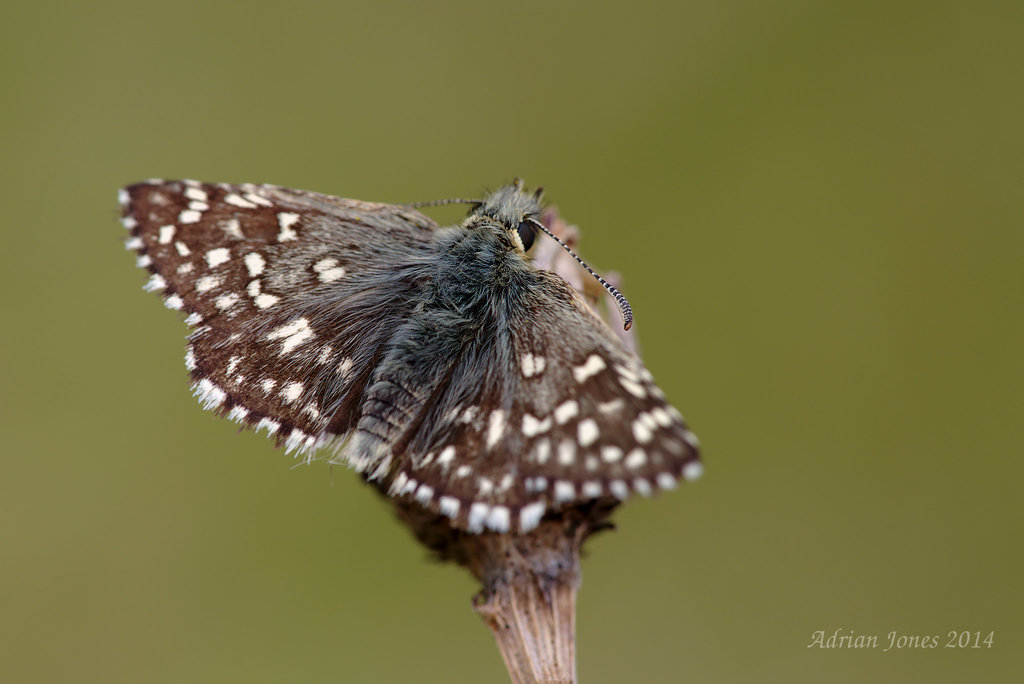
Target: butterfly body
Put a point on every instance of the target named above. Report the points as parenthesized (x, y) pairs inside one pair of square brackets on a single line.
[(439, 362)]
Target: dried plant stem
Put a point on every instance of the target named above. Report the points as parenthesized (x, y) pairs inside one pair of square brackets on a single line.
[(529, 600), (530, 581)]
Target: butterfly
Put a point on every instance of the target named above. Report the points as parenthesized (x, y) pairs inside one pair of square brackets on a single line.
[(439, 362)]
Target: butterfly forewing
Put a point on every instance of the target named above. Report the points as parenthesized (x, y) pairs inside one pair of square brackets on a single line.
[(289, 293)]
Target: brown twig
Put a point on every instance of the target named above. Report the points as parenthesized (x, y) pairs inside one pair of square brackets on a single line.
[(530, 581)]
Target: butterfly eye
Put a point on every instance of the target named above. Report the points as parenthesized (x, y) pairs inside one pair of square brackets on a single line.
[(526, 233)]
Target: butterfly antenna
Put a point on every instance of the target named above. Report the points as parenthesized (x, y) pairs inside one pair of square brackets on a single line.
[(437, 203), (624, 307)]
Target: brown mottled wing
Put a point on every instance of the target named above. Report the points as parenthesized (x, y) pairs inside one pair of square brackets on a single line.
[(289, 295), (563, 414)]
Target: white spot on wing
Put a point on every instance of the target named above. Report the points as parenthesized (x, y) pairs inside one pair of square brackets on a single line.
[(477, 517), (255, 263), (312, 410), (286, 220), (238, 413), (272, 426), (235, 200), (261, 300), (593, 365), (661, 416), (197, 194), (536, 484), (532, 365), (446, 456), (207, 283), (295, 440), (566, 452), (542, 451), (634, 388), (449, 506), (256, 199), (189, 216), (495, 427), (635, 458), (628, 373), (325, 354), (291, 392), (499, 519), (328, 270), (566, 411), (209, 394), (564, 491), (155, 282), (424, 494), (218, 256), (587, 432), (533, 427), (233, 228), (227, 301), (166, 234), (530, 515), (183, 249), (293, 334), (611, 454), (641, 432), (692, 471)]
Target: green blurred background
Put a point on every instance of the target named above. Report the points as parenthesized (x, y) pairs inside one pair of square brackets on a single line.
[(817, 211)]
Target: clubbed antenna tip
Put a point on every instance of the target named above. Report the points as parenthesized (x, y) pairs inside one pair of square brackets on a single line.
[(624, 307)]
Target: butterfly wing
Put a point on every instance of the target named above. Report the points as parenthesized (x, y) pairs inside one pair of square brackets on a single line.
[(290, 295), (543, 407), (435, 360)]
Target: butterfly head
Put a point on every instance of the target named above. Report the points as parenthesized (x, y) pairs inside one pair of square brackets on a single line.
[(517, 212), (512, 208)]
